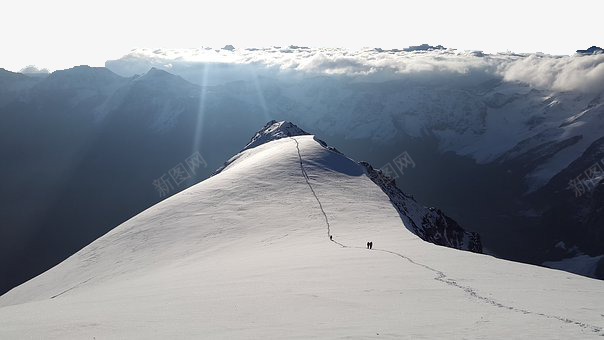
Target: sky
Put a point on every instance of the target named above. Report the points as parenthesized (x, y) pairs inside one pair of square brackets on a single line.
[(61, 34)]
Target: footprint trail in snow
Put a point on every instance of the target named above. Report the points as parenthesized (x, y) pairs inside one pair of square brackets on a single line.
[(441, 276)]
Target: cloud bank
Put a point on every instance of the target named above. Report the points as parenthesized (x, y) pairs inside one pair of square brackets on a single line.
[(575, 73), (557, 73)]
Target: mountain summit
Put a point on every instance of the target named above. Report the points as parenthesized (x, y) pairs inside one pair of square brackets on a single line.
[(274, 130), (274, 246), (429, 224)]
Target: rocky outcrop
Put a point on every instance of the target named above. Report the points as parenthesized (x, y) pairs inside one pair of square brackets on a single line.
[(430, 224)]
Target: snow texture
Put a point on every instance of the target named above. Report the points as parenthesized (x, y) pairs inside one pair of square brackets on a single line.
[(246, 254)]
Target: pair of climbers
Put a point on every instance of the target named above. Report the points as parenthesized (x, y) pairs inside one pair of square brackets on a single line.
[(369, 244)]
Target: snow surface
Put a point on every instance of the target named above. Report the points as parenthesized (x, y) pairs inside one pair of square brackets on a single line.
[(246, 254)]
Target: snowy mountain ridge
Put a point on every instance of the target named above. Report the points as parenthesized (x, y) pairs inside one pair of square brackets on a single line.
[(430, 224), (246, 254), (527, 134), (274, 130)]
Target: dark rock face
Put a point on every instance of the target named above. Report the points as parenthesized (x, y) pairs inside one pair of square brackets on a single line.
[(600, 269), (430, 224)]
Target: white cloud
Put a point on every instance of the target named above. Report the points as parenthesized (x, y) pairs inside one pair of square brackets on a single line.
[(557, 73), (582, 73)]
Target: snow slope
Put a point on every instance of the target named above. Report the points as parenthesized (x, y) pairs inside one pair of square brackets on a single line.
[(246, 254)]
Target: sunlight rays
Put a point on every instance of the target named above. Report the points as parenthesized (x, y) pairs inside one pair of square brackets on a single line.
[(201, 111), (260, 95)]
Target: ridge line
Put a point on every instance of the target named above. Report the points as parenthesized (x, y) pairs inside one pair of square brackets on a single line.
[(306, 178), (441, 276)]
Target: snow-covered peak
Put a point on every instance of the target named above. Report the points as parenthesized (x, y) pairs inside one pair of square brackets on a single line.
[(274, 130), (277, 244), (429, 224)]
